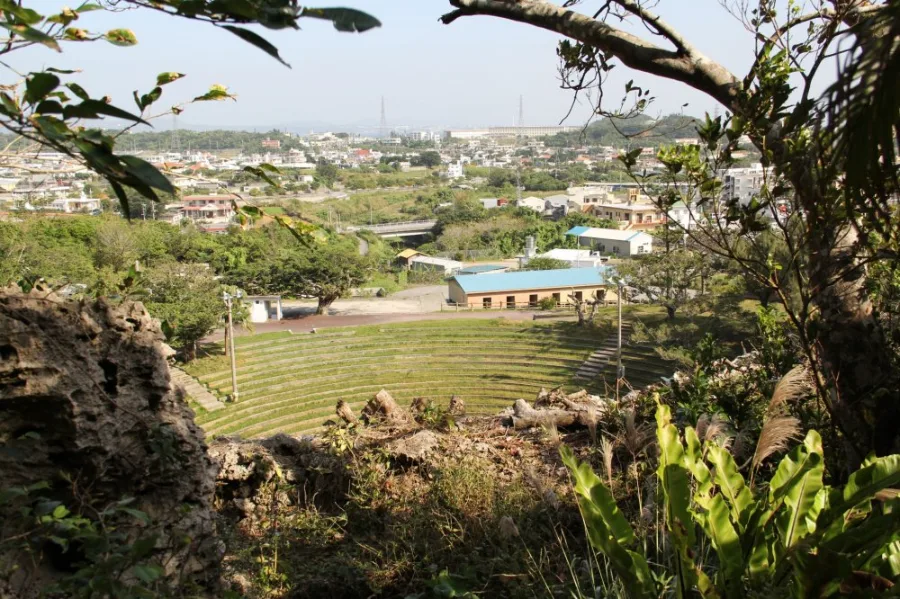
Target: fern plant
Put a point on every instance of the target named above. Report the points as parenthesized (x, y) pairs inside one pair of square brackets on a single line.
[(797, 538)]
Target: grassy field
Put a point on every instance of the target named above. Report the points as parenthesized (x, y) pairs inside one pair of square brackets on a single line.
[(290, 383)]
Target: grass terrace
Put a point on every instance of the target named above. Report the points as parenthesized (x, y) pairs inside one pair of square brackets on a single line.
[(290, 383)]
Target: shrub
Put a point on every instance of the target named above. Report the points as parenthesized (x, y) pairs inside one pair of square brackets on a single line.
[(799, 537), (547, 303)]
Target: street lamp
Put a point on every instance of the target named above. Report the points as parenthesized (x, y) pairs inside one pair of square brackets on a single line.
[(229, 332)]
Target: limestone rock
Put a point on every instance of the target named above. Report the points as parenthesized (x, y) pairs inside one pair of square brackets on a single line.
[(86, 395), (414, 448)]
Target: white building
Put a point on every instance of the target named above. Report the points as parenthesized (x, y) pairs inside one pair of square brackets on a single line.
[(535, 203), (449, 267), (576, 258), (613, 241), (69, 205), (455, 170), (264, 308), (742, 184)]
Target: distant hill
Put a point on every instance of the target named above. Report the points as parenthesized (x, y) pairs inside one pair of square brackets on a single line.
[(640, 131)]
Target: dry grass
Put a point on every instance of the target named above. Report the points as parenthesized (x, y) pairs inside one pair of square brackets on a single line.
[(792, 386), (776, 433), (607, 450), (714, 429)]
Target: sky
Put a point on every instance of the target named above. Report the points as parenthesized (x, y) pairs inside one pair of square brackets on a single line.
[(470, 73)]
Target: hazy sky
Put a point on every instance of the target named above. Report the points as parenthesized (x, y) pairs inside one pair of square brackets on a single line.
[(469, 73)]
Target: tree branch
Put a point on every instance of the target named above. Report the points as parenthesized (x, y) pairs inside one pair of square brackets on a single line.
[(687, 64), (662, 27)]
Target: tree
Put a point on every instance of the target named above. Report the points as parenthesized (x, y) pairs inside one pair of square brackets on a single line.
[(325, 271), (804, 142), (428, 159), (540, 263), (115, 245), (187, 298), (326, 172), (666, 278)]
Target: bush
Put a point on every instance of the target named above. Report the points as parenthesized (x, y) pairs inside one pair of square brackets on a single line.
[(547, 303), (797, 537)]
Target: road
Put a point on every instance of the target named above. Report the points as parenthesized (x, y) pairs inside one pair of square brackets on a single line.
[(305, 323)]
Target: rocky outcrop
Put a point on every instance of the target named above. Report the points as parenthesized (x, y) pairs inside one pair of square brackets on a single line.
[(87, 406), (254, 476)]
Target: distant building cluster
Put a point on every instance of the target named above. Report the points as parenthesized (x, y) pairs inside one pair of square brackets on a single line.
[(502, 132)]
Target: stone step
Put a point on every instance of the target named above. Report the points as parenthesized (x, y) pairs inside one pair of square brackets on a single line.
[(196, 390)]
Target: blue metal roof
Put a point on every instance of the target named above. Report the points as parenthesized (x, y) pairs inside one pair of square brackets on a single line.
[(480, 268), (531, 279), (577, 230)]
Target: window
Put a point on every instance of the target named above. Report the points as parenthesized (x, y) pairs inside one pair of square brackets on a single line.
[(578, 295), (486, 302), (556, 297), (532, 300), (615, 249), (511, 301)]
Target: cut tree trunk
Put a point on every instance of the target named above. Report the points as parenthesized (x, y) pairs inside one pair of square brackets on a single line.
[(574, 414)]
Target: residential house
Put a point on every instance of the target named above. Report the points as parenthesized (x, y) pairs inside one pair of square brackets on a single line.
[(613, 241), (70, 205), (211, 209)]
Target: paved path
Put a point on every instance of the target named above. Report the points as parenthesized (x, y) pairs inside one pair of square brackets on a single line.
[(306, 324), (601, 357), (198, 392)]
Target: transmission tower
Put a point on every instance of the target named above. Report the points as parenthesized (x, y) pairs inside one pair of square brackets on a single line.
[(520, 133), (383, 124)]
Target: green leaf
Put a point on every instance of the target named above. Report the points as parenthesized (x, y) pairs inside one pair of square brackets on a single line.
[(88, 7), (147, 174), (21, 14), (10, 106), (344, 19), (147, 99), (61, 71), (121, 37), (216, 93), (64, 18), (146, 574), (725, 541), (78, 91), (38, 85), (32, 35), (75, 34), (139, 515), (93, 109), (796, 483), (607, 528), (731, 484), (49, 107), (143, 546), (164, 78), (123, 199), (258, 172), (60, 512), (257, 40)]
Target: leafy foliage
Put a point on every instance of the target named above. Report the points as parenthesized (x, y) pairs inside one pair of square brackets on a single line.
[(799, 538)]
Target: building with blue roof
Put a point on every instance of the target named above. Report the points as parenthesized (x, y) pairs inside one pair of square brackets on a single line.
[(483, 269), (527, 288), (618, 242)]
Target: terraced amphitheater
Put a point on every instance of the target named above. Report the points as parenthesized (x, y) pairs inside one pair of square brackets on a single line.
[(290, 383)]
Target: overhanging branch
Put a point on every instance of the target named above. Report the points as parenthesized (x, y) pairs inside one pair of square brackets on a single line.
[(686, 64)]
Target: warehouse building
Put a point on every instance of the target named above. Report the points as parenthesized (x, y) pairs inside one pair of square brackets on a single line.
[(526, 288)]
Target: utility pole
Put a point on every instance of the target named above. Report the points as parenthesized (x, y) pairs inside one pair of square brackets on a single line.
[(620, 370), (229, 331)]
